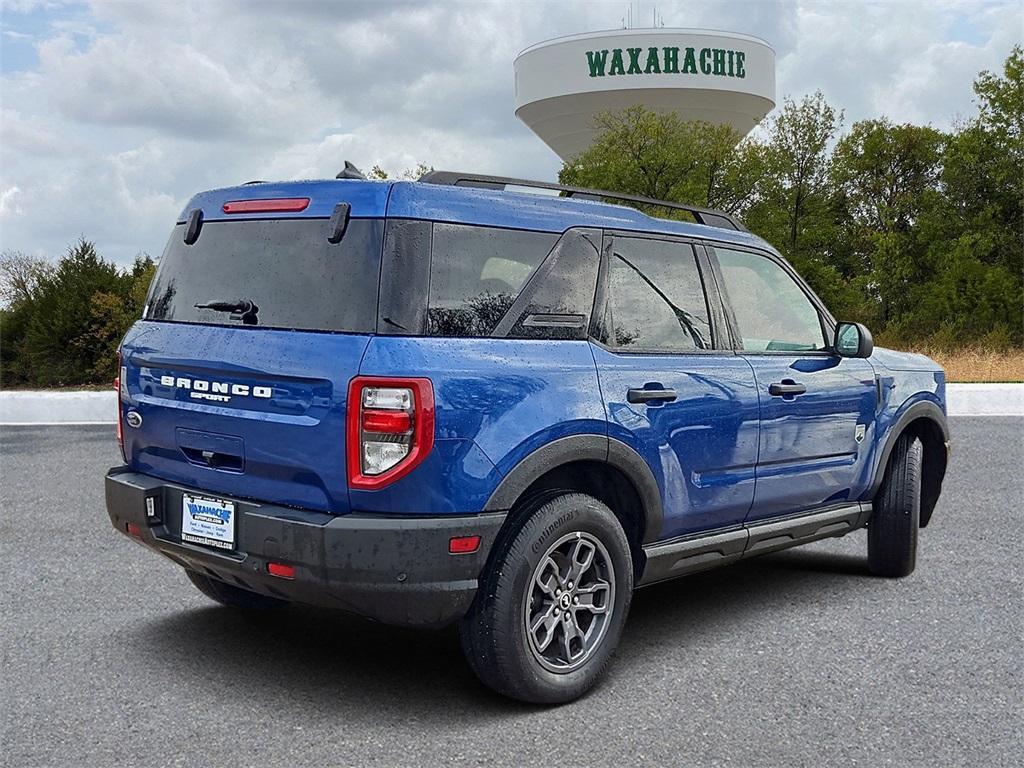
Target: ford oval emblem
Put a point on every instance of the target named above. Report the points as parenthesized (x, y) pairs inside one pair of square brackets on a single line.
[(134, 419)]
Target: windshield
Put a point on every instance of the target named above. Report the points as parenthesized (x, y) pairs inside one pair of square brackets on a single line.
[(276, 273)]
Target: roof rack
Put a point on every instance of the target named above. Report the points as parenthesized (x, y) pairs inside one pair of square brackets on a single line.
[(706, 216)]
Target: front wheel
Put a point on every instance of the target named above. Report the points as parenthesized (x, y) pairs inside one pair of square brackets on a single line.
[(552, 604), (894, 524)]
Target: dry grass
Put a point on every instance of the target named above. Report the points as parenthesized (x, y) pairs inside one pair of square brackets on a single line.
[(979, 365)]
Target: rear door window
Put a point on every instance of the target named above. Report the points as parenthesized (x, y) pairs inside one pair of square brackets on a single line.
[(476, 273), (285, 268), (656, 299)]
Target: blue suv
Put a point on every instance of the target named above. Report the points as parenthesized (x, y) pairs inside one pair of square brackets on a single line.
[(468, 400)]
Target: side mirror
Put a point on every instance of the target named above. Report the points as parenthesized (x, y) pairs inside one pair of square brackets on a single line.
[(853, 340)]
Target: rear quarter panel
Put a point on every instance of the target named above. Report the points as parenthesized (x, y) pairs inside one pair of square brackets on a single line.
[(496, 402)]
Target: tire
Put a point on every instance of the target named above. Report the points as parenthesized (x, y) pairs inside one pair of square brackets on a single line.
[(532, 579), (896, 520), (234, 597)]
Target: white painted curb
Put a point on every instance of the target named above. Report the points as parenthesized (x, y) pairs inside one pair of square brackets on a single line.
[(985, 399), (42, 407), (32, 407)]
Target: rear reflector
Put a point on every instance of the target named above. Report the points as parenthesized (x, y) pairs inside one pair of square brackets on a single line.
[(463, 545), (133, 530), (281, 570), (277, 205)]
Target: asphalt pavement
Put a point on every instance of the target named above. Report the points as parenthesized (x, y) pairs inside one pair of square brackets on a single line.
[(110, 656)]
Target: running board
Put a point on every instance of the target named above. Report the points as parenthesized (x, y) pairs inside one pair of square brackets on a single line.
[(691, 554)]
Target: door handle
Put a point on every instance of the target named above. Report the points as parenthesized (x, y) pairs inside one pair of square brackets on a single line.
[(647, 395), (786, 388)]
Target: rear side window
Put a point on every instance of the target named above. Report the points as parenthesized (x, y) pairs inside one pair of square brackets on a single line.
[(284, 268), (555, 304), (476, 274), (656, 300)]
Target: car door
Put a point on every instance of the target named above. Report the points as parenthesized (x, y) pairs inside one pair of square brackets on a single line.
[(688, 407), (817, 408)]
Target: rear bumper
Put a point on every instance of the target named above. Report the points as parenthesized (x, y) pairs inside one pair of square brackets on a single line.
[(394, 570)]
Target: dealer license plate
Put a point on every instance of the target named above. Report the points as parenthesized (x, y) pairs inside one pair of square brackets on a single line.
[(206, 521)]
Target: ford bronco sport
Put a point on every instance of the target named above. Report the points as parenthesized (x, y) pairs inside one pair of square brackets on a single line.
[(460, 401)]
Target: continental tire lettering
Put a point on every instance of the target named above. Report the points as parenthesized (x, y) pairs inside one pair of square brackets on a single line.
[(551, 527)]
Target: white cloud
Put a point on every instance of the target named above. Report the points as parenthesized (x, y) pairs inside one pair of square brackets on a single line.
[(9, 202), (132, 107)]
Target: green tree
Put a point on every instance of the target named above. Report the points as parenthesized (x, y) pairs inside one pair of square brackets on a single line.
[(794, 199), (20, 278), (20, 275), (409, 174), (111, 314), (60, 345), (794, 207), (657, 155), (974, 231), (884, 176)]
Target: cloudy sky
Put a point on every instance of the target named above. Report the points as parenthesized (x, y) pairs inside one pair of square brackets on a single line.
[(114, 113)]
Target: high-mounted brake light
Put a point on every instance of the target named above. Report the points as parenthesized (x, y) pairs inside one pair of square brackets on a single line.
[(390, 428), (276, 205)]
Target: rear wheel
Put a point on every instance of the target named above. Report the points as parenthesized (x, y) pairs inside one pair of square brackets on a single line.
[(553, 603), (232, 596), (894, 524)]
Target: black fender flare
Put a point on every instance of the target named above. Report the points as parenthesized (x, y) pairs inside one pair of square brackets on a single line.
[(923, 409), (566, 450)]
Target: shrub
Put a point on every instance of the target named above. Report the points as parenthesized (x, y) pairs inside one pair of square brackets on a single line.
[(63, 324)]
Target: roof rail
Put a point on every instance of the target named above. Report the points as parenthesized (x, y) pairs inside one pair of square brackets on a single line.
[(706, 216)]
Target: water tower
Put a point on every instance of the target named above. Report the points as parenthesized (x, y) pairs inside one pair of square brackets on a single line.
[(561, 85)]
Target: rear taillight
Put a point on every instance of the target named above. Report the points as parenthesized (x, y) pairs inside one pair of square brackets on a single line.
[(121, 384), (390, 428)]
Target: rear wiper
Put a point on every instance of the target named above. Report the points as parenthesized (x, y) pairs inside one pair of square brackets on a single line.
[(243, 308)]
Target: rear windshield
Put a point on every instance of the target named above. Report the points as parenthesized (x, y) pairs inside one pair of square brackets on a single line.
[(271, 273)]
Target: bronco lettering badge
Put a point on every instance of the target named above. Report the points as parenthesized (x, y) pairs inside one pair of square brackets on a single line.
[(217, 391)]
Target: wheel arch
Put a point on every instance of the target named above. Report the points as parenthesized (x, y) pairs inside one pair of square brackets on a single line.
[(927, 422), (602, 467)]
